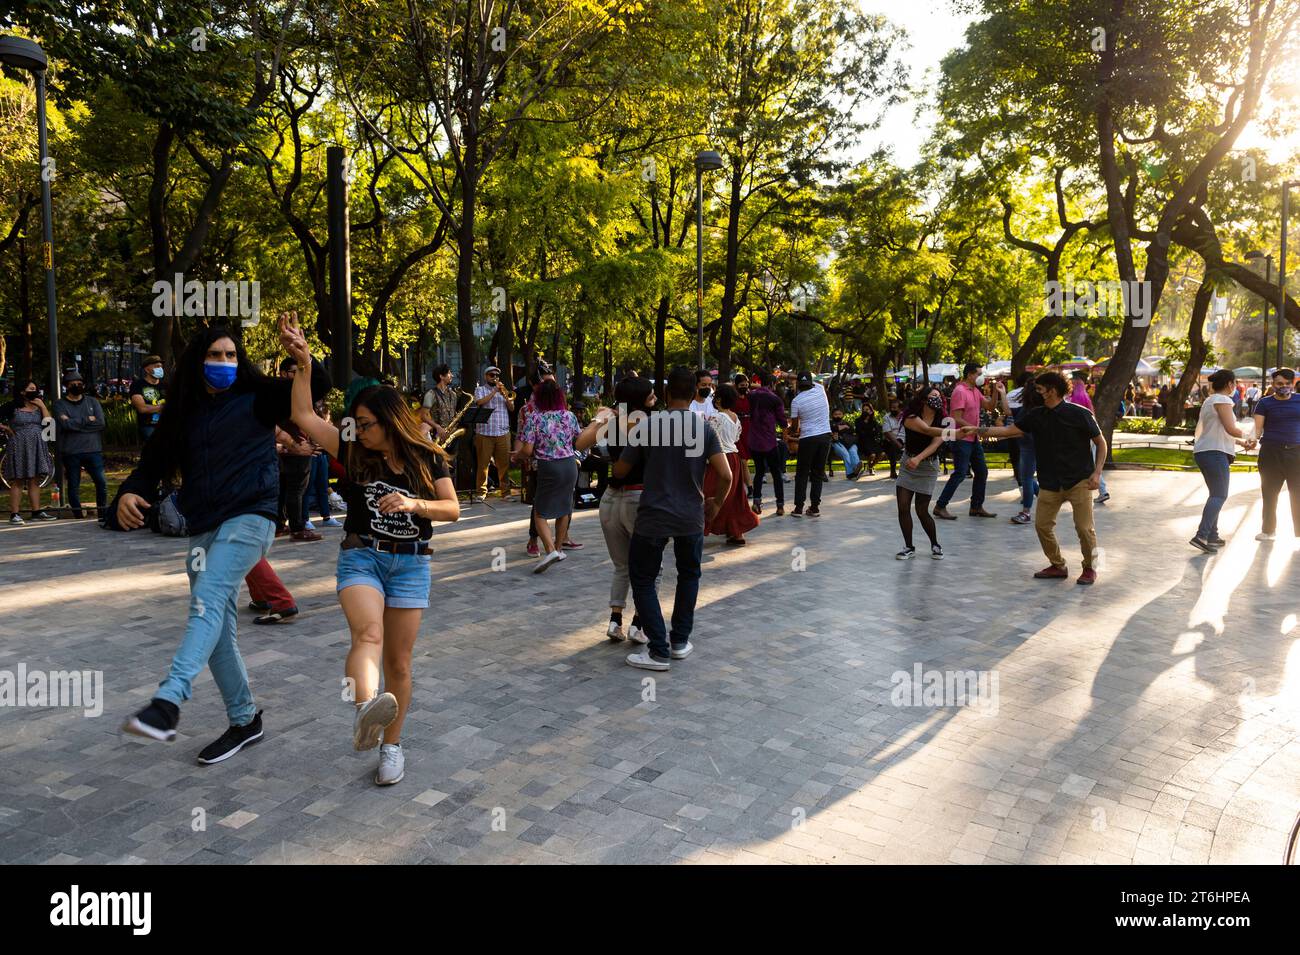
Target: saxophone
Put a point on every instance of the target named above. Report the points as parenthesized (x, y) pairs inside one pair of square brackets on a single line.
[(454, 432)]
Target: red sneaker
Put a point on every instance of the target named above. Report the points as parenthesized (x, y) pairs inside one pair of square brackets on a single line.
[(532, 548), (1089, 576), (1052, 573)]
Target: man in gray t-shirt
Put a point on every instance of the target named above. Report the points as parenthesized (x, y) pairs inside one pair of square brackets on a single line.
[(676, 446)]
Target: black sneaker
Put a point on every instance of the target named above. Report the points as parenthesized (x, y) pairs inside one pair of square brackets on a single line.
[(232, 741), (1200, 543), (813, 512), (156, 721), (261, 606), (797, 512), (277, 616), (43, 516)]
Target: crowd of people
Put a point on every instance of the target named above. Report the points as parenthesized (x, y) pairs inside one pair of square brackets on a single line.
[(241, 455)]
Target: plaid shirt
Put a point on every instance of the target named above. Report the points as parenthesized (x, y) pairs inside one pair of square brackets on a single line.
[(499, 423)]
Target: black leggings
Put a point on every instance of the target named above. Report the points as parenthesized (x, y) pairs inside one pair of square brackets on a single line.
[(922, 511)]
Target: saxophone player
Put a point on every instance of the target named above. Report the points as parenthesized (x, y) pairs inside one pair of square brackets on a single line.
[(492, 440), (439, 406)]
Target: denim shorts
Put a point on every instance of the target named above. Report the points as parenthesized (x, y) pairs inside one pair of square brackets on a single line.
[(403, 579)]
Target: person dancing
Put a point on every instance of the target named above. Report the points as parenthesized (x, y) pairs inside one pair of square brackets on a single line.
[(734, 518), (618, 505), (215, 434), (919, 469), (548, 437), (397, 486)]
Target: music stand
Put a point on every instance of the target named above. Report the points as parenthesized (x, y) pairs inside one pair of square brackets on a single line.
[(473, 417)]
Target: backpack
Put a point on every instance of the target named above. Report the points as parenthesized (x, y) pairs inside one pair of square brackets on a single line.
[(171, 522)]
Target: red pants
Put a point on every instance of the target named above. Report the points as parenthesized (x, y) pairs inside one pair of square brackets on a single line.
[(265, 586)]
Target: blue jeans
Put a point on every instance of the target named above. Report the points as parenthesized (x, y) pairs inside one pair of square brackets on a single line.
[(644, 558), (318, 488), (1028, 475), (93, 462), (228, 553), (849, 455), (1215, 468), (966, 454)]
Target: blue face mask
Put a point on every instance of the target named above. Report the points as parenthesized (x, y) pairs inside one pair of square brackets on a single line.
[(220, 375), (157, 372)]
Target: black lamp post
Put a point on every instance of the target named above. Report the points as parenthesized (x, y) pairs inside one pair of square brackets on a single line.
[(1281, 273), (25, 55), (710, 160)]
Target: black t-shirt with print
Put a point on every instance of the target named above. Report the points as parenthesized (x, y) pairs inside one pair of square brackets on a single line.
[(363, 515), (153, 392)]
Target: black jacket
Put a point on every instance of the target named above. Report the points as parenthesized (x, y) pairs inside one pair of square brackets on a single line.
[(228, 465)]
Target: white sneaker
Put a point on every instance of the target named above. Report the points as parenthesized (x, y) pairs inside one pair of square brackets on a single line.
[(1261, 536), (936, 553), (907, 553), (330, 523), (554, 557), (681, 653), (614, 631), (372, 719), (308, 526), (337, 503), (392, 765), (637, 635), (16, 519), (643, 661)]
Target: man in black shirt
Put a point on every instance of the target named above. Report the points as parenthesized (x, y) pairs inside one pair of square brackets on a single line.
[(1064, 436)]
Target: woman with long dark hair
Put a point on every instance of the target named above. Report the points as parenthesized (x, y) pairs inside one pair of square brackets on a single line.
[(635, 397), (216, 439), (920, 468), (397, 486), (26, 458), (548, 437)]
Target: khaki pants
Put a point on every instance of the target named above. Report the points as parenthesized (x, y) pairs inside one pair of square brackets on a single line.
[(1049, 505), (495, 448)]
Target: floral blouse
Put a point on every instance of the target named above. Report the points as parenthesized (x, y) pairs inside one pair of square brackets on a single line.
[(551, 433)]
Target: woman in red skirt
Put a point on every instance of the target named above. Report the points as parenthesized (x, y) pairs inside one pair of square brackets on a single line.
[(735, 517)]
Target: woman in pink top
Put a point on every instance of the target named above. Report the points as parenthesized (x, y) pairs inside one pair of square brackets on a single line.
[(1079, 396)]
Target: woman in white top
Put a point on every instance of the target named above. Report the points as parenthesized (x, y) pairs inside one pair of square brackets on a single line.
[(735, 517), (1217, 437)]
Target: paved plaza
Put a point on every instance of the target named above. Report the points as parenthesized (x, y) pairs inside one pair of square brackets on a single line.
[(1152, 718)]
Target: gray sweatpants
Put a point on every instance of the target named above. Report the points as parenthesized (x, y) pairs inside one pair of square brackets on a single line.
[(617, 518)]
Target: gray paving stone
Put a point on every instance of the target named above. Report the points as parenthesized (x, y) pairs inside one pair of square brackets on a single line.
[(1148, 719)]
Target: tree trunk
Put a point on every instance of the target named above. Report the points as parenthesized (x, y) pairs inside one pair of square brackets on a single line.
[(1197, 352), (465, 262), (661, 331), (732, 276)]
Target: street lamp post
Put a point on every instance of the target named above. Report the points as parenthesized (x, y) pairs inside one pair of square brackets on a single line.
[(23, 54), (1268, 278), (1281, 273), (710, 160)]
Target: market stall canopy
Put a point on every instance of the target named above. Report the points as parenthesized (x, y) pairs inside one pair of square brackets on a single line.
[(1144, 368), (1249, 371)]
